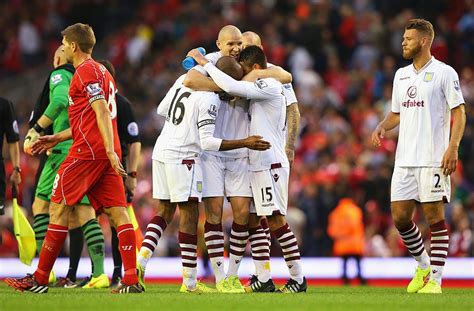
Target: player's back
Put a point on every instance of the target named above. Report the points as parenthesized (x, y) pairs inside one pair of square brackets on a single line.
[(268, 119), (91, 82), (179, 138)]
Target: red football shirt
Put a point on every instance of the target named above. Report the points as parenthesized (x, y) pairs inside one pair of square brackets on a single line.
[(90, 82)]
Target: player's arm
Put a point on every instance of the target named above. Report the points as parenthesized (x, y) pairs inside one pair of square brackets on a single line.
[(11, 133), (390, 121), (450, 157), (197, 81), (104, 123), (207, 124), (293, 121), (275, 72), (59, 87), (132, 139)]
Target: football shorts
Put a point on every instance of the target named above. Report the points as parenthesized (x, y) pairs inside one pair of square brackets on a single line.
[(225, 176), (270, 191), (177, 182), (423, 184)]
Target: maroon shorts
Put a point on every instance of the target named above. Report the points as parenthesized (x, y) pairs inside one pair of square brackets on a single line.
[(94, 178)]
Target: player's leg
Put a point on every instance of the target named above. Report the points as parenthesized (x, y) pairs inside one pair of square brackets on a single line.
[(291, 253), (238, 190), (266, 229), (434, 214), (435, 189), (127, 246), (154, 232), (117, 259), (404, 192), (260, 248), (53, 242), (95, 244), (43, 196), (40, 220), (76, 243), (239, 236), (214, 239)]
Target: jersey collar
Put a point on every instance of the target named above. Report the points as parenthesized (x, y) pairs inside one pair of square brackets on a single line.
[(424, 67)]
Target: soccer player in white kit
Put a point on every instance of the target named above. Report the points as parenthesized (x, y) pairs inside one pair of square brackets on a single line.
[(177, 177), (259, 247), (225, 173), (426, 97), (269, 170)]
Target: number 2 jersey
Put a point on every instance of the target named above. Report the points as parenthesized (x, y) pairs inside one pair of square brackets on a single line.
[(91, 82), (190, 123)]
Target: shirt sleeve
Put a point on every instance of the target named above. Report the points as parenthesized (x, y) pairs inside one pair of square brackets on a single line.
[(165, 103), (395, 99), (451, 88), (10, 123), (212, 57), (207, 124), (289, 94), (59, 86), (258, 90), (131, 133), (92, 82)]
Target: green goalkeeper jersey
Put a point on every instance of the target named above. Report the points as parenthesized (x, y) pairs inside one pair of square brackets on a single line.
[(58, 104)]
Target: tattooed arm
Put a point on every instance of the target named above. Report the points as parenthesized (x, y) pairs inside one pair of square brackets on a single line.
[(293, 119)]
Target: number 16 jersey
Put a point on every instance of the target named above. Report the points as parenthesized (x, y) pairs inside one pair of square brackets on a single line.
[(190, 115), (90, 82)]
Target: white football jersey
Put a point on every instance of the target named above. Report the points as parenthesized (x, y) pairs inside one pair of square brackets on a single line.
[(267, 115), (190, 118), (424, 99), (232, 120), (288, 91)]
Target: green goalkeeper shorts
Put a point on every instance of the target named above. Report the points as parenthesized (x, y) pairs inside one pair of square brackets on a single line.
[(46, 180)]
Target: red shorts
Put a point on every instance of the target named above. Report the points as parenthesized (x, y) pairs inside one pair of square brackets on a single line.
[(94, 178)]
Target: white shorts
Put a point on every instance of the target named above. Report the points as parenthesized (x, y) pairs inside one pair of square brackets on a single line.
[(423, 184), (225, 176), (177, 182), (270, 191)]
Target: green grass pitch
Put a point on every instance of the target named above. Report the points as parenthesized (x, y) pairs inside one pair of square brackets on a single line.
[(166, 297)]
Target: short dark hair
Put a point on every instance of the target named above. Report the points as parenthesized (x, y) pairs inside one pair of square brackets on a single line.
[(108, 65), (82, 34), (230, 66), (421, 25), (252, 55)]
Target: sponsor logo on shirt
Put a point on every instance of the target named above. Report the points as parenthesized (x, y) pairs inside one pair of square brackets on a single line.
[(411, 92), (199, 186), (428, 76), (287, 86), (132, 129), (56, 79), (94, 89), (404, 78)]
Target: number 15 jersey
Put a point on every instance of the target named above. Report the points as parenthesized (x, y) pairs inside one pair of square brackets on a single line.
[(90, 82), (190, 117)]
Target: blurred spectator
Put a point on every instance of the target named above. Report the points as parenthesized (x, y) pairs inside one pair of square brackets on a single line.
[(346, 228)]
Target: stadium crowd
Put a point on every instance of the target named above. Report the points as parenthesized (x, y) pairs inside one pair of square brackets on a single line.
[(343, 56)]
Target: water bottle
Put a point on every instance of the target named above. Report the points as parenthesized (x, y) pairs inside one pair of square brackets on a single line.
[(189, 62)]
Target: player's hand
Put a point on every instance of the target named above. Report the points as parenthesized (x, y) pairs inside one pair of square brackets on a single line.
[(290, 154), (377, 134), (131, 184), (257, 143), (198, 57), (31, 137), (450, 161), (15, 179), (116, 164), (44, 143)]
